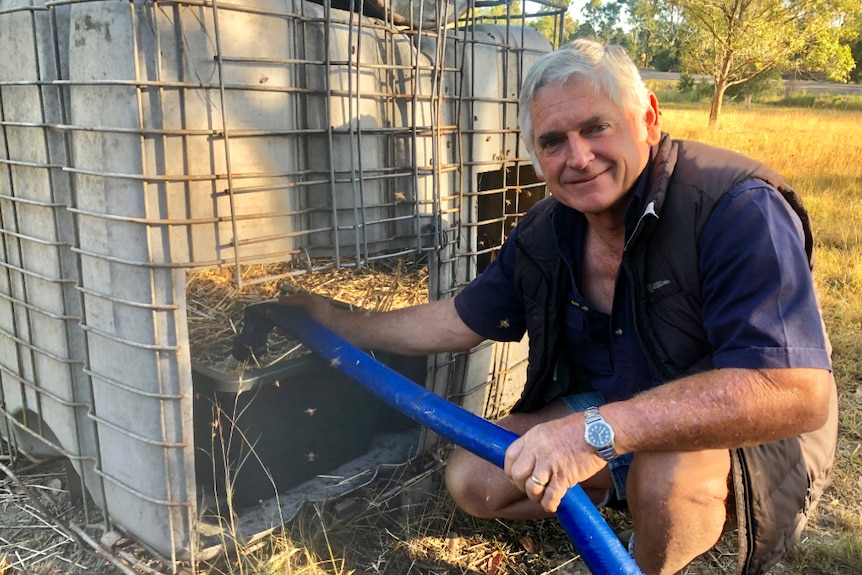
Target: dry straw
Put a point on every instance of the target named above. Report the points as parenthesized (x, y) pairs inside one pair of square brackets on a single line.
[(215, 303)]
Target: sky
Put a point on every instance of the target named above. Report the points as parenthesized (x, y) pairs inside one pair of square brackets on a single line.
[(575, 11)]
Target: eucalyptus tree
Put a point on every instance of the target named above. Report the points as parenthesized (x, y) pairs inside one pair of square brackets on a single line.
[(732, 41)]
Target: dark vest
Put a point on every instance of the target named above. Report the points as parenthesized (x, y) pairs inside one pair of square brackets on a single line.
[(775, 484)]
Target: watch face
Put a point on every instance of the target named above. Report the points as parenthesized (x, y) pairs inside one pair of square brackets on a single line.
[(599, 435)]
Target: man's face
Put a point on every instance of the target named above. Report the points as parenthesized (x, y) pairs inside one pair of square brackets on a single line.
[(589, 150)]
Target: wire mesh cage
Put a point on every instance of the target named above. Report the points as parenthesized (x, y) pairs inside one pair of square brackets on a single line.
[(142, 142)]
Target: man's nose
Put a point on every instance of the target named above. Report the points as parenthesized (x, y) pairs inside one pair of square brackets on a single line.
[(579, 152)]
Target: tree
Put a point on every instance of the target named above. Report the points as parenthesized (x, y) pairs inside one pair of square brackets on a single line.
[(856, 50), (501, 10), (602, 22), (658, 34), (767, 83), (549, 26), (735, 40)]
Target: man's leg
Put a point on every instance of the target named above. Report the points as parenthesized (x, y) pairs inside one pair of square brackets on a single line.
[(678, 506), (482, 489)]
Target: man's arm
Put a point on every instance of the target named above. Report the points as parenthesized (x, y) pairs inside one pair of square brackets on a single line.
[(423, 329), (718, 409), (723, 409), (772, 371)]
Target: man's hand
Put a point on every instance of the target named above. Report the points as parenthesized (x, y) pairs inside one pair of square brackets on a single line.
[(550, 458), (318, 307)]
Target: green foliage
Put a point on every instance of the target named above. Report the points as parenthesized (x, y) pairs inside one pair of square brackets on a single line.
[(658, 35), (762, 86), (550, 27), (602, 22), (829, 56), (856, 49), (820, 101), (856, 52), (669, 92), (553, 22), (663, 59), (694, 90), (500, 11)]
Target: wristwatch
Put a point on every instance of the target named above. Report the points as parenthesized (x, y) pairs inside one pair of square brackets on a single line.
[(599, 434)]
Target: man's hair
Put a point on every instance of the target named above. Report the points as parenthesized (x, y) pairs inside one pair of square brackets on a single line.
[(608, 68)]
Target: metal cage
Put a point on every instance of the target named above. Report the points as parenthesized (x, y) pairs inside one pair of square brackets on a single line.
[(141, 140)]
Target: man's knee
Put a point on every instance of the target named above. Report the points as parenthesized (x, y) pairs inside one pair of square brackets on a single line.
[(678, 504), (465, 484), (663, 481)]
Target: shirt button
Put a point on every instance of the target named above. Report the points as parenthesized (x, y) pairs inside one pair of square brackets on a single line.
[(618, 331)]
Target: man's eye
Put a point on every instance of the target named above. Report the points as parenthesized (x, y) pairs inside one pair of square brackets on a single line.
[(598, 128), (552, 143)]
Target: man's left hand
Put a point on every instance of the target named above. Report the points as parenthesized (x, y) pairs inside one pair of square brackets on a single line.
[(550, 458)]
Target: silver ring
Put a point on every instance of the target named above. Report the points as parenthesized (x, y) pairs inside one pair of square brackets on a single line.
[(538, 482)]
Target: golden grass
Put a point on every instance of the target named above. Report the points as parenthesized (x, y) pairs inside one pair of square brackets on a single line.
[(820, 154)]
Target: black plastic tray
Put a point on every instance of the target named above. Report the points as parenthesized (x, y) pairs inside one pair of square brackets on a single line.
[(273, 428)]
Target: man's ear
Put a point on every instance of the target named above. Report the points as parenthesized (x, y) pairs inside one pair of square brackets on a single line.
[(652, 118)]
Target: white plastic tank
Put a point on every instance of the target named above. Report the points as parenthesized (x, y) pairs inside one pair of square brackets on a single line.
[(44, 392), (142, 141)]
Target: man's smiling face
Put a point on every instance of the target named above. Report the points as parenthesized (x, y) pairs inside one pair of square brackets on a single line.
[(589, 150)]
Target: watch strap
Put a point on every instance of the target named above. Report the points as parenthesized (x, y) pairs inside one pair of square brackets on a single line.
[(592, 414)]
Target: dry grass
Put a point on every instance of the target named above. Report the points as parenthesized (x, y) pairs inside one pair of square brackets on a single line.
[(215, 304), (820, 154), (421, 532)]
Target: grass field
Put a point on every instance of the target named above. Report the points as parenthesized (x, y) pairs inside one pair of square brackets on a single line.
[(819, 152)]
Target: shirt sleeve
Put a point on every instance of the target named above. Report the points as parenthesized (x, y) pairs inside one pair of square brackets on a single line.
[(490, 305), (759, 304)]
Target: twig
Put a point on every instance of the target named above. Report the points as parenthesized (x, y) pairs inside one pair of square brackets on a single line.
[(561, 565), (138, 565), (43, 555), (46, 524), (28, 467), (71, 531)]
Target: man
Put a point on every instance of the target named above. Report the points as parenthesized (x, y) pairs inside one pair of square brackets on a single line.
[(678, 362)]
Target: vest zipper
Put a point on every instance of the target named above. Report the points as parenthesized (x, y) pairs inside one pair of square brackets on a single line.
[(647, 218), (649, 211)]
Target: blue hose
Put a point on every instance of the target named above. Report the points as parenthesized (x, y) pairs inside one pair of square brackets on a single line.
[(589, 533)]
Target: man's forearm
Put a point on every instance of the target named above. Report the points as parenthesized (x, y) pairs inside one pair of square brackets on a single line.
[(723, 408), (417, 330)]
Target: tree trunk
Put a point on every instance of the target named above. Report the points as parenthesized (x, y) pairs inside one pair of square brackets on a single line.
[(717, 99)]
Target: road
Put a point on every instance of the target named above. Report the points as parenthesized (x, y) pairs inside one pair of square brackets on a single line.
[(808, 86)]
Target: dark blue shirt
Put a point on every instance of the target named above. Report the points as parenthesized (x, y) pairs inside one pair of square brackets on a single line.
[(759, 305)]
